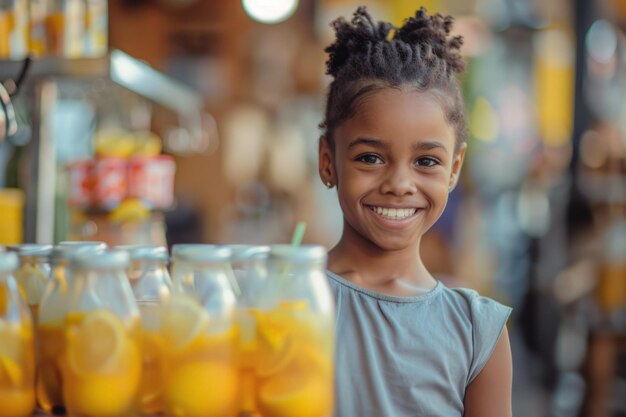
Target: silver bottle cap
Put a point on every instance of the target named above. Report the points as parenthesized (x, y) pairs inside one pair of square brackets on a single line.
[(67, 252), (8, 261), (145, 252), (113, 259), (34, 250), (298, 254), (201, 253)]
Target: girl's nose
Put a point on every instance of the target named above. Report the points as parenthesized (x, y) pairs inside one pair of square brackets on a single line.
[(399, 181)]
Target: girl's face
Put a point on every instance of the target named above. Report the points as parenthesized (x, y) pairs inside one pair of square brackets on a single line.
[(394, 163)]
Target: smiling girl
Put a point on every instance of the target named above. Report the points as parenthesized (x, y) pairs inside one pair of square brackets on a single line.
[(393, 145)]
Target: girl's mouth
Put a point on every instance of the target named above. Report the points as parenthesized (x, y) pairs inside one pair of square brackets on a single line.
[(393, 213)]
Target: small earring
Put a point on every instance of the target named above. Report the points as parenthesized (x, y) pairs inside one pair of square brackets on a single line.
[(329, 185)]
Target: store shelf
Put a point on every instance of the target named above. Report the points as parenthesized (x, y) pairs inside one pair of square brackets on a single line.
[(120, 68), (41, 89)]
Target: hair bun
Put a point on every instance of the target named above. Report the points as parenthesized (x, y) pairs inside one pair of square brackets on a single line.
[(354, 37), (433, 33)]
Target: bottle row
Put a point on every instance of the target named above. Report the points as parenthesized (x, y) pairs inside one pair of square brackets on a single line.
[(219, 331), (64, 28)]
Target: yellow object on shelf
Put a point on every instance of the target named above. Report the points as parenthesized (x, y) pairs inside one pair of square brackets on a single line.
[(114, 143), (131, 210), (11, 216), (147, 144)]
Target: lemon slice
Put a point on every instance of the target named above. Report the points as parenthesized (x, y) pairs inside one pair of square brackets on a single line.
[(10, 371), (4, 300), (184, 320), (97, 344), (32, 282), (187, 394), (276, 345), (288, 395)]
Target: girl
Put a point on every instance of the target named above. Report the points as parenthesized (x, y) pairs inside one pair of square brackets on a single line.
[(393, 145)]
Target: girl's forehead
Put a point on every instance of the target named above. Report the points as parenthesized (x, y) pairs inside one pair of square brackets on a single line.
[(398, 99), (392, 111)]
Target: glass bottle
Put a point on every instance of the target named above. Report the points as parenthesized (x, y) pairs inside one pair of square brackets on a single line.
[(65, 28), (294, 363), (101, 361), (50, 332), (33, 274), (17, 357), (200, 336), (249, 265), (152, 288), (96, 28)]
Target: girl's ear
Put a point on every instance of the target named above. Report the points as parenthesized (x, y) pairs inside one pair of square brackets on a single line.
[(457, 164), (326, 163)]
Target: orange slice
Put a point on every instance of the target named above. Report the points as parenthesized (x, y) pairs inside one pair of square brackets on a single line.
[(10, 372), (276, 345), (295, 395), (97, 344)]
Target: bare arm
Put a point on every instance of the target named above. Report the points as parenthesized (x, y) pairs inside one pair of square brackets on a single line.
[(489, 394)]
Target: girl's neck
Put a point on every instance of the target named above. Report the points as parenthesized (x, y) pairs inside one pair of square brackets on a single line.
[(392, 272)]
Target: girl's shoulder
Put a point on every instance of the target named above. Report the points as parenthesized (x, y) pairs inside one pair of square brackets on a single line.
[(486, 320)]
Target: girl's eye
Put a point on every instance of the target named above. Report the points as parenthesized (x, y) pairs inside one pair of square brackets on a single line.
[(369, 158), (426, 162)]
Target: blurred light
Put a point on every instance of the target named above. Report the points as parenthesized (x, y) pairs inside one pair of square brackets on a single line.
[(601, 41), (484, 120), (495, 12), (533, 210), (270, 11), (593, 150), (554, 81)]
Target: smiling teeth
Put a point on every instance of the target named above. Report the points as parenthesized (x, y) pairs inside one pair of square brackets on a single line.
[(392, 213)]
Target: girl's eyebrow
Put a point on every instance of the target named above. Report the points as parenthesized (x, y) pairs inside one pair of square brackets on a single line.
[(375, 143), (381, 144), (428, 145)]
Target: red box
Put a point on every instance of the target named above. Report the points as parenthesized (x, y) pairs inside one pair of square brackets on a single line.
[(109, 182), (80, 182), (152, 180)]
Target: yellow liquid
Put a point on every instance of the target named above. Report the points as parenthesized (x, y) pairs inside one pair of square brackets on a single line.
[(101, 366), (293, 364), (150, 391), (17, 370), (202, 379), (49, 387), (150, 394)]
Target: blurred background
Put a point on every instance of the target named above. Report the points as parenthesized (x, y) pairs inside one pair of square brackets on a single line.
[(169, 121)]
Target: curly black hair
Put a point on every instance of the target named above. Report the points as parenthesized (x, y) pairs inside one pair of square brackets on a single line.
[(368, 55)]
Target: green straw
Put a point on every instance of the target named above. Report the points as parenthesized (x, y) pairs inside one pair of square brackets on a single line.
[(296, 239), (298, 234), (233, 280)]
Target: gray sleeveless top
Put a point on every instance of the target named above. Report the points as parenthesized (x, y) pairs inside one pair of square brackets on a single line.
[(410, 356)]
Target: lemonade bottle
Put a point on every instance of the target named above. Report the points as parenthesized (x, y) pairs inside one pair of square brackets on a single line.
[(50, 332), (199, 332), (152, 289), (295, 335), (33, 274), (17, 357), (101, 360), (249, 265), (177, 249)]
